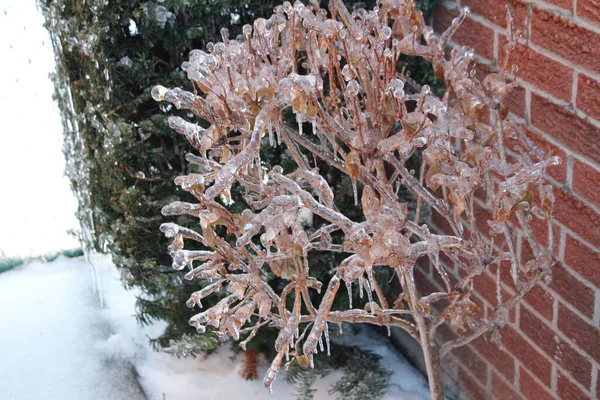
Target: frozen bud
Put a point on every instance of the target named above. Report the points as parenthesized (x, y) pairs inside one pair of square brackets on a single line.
[(158, 92), (161, 15), (353, 88), (180, 260), (247, 30), (425, 90), (212, 62), (347, 73), (299, 7), (396, 87), (385, 33), (225, 34), (169, 229), (197, 56), (307, 83), (219, 48), (288, 8), (260, 25)]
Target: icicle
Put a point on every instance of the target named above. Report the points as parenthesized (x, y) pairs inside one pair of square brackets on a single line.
[(321, 340), (341, 329), (278, 132), (370, 296), (299, 120), (355, 193), (287, 353), (349, 288), (389, 330), (312, 361), (333, 145), (360, 287), (314, 126), (271, 136), (371, 281), (327, 343)]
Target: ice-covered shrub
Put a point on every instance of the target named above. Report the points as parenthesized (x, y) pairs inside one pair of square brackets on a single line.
[(337, 72)]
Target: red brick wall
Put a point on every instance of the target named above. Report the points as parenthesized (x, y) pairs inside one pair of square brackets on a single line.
[(552, 344)]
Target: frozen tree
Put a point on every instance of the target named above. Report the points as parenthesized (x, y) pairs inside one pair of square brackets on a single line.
[(337, 72)]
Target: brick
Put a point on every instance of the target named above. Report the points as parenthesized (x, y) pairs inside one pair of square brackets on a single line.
[(424, 284), (470, 386), (540, 232), (566, 285), (423, 265), (586, 181), (495, 11), (583, 259), (501, 360), (440, 222), (515, 101), (482, 215), (471, 33), (563, 36), (541, 300), (566, 4), (531, 359), (584, 335), (501, 390), (588, 95), (531, 389), (445, 333), (541, 71), (486, 287), (567, 390), (574, 132), (473, 363), (557, 172), (577, 216), (589, 9), (556, 348)]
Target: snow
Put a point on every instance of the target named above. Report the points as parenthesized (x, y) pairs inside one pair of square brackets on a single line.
[(37, 206), (51, 331), (58, 344)]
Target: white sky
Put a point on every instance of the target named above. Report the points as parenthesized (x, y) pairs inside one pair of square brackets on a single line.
[(36, 203)]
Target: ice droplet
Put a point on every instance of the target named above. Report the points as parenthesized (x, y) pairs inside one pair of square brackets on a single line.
[(126, 62), (158, 92)]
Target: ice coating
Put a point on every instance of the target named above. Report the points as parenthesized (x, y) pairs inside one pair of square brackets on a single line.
[(357, 113)]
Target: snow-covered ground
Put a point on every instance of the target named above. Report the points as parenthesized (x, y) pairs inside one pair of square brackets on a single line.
[(56, 343)]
